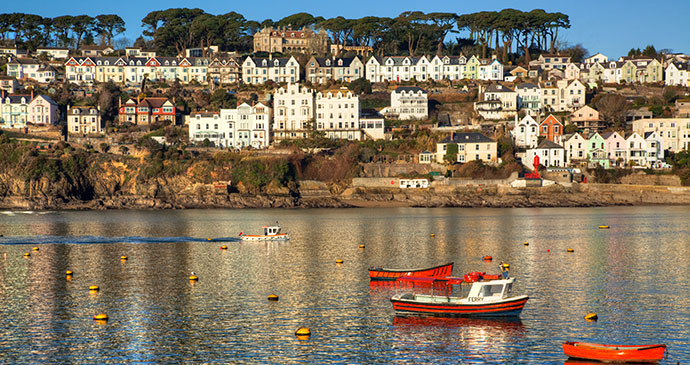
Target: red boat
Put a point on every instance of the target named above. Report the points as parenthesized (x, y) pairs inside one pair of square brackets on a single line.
[(614, 353), (484, 299), (379, 273)]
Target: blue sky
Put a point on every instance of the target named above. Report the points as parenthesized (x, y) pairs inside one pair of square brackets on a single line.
[(608, 26)]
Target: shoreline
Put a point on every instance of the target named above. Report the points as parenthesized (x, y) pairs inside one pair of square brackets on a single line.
[(472, 196)]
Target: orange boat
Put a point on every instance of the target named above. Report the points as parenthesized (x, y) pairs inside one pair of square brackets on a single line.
[(379, 273), (614, 353)]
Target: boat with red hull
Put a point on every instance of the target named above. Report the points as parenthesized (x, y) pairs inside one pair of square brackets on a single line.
[(614, 353), (485, 299), (379, 273)]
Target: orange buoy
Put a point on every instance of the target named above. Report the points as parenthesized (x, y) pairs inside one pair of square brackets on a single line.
[(487, 258), (591, 317), (273, 298), (68, 272), (361, 246), (223, 247), (571, 250)]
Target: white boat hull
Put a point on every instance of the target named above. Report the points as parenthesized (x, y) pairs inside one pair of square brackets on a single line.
[(261, 237)]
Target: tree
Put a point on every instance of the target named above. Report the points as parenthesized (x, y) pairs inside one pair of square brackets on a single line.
[(298, 21), (360, 86), (577, 53), (81, 26), (650, 51), (444, 22), (611, 107), (451, 153), (109, 26)]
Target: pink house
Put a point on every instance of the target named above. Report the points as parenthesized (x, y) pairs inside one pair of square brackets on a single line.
[(614, 145), (43, 111)]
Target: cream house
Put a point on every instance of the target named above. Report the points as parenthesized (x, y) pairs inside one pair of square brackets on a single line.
[(472, 146), (84, 120), (345, 69)]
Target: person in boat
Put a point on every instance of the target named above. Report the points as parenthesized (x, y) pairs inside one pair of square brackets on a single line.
[(505, 268)]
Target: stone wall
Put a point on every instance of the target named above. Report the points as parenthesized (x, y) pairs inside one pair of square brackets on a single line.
[(640, 178), (374, 170)]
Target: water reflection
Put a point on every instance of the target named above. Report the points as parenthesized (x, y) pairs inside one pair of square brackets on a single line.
[(629, 275)]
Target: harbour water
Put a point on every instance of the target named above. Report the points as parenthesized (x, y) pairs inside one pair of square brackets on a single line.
[(632, 275)]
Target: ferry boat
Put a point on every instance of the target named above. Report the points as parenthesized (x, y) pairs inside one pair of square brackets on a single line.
[(379, 273), (485, 298), (271, 233)]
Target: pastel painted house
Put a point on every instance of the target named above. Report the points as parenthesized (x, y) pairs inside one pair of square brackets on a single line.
[(472, 146), (43, 111), (615, 148), (596, 151), (550, 155), (551, 128)]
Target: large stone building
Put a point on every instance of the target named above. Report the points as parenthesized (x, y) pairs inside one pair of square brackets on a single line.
[(286, 40)]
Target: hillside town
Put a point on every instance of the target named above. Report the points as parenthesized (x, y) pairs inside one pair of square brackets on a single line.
[(566, 110)]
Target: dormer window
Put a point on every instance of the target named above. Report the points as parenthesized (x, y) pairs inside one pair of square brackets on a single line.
[(264, 63), (98, 63), (276, 63), (328, 62), (138, 63), (93, 111), (340, 62)]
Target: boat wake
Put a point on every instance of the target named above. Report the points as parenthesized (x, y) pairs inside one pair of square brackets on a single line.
[(24, 240)]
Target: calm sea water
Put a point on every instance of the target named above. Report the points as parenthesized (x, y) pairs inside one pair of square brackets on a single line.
[(634, 275)]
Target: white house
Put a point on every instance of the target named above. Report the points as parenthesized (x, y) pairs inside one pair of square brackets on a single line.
[(597, 58), (293, 108), (677, 74), (259, 70), (575, 148), (500, 102), (408, 103), (654, 149), (337, 114), (637, 150), (529, 98), (397, 68), (490, 69), (550, 155), (245, 126), (526, 132)]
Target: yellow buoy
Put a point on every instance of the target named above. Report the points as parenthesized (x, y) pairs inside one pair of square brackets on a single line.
[(100, 317), (604, 227), (68, 272), (433, 235), (571, 250), (209, 239), (273, 297), (26, 254), (338, 261), (35, 249), (505, 266), (591, 316), (193, 277), (526, 243), (94, 288), (303, 331), (223, 247), (123, 258), (361, 246)]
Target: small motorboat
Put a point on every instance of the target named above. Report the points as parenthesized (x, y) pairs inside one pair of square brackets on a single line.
[(379, 273), (271, 233), (614, 353), (485, 298)]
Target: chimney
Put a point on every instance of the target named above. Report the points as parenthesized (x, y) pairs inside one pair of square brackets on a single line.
[(270, 56), (119, 103), (138, 100), (452, 136), (32, 94)]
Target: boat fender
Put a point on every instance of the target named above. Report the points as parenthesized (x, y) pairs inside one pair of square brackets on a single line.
[(591, 317)]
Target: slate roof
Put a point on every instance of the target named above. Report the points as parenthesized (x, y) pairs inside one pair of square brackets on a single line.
[(413, 89), (347, 61), (546, 144), (471, 137), (498, 88)]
